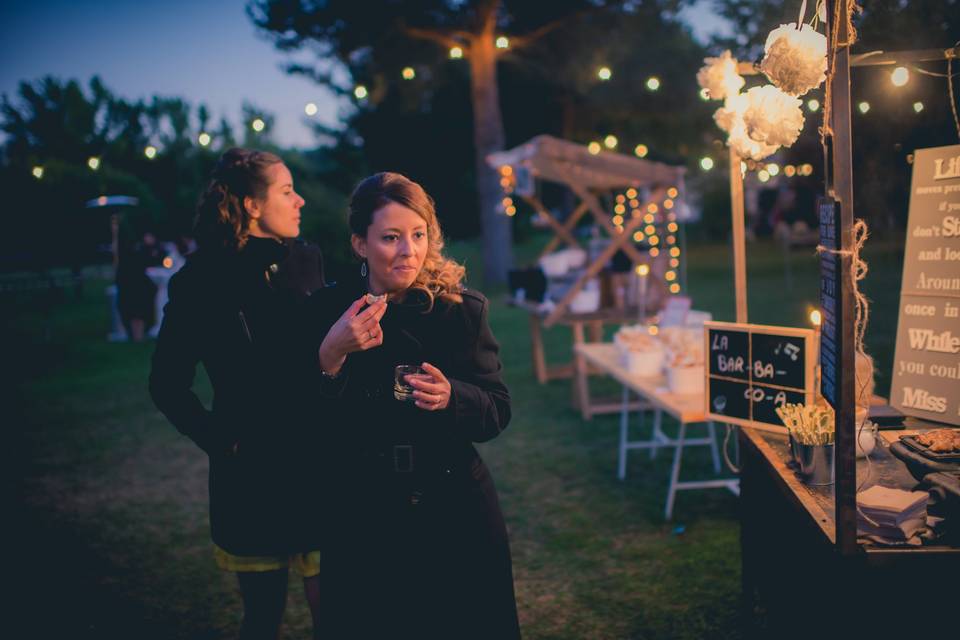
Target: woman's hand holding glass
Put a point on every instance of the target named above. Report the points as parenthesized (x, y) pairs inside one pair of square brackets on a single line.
[(355, 330), (432, 391)]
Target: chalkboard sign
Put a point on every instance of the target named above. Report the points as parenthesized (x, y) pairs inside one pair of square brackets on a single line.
[(752, 369), (831, 336), (926, 364)]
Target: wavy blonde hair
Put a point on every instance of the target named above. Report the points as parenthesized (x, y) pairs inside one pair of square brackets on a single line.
[(222, 219), (440, 277)]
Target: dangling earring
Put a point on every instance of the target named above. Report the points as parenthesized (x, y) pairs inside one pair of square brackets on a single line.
[(363, 269)]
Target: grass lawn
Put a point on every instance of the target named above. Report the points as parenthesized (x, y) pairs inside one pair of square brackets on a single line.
[(110, 534)]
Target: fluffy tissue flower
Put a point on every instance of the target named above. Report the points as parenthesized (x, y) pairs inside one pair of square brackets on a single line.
[(746, 147), (731, 113), (772, 116), (719, 76), (795, 60)]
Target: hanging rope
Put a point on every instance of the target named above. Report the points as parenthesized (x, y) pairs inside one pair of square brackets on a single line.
[(953, 102)]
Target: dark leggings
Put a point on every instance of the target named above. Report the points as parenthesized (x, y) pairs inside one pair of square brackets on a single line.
[(264, 600)]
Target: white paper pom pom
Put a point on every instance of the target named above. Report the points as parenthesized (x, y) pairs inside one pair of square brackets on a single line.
[(719, 76), (772, 117), (795, 60), (746, 147), (731, 112)]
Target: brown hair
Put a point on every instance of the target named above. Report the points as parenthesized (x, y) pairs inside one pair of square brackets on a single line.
[(440, 276), (222, 219)]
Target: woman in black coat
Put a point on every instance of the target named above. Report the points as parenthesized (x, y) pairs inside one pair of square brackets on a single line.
[(422, 549), (238, 307)]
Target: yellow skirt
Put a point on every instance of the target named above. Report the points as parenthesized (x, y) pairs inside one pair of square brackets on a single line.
[(306, 564)]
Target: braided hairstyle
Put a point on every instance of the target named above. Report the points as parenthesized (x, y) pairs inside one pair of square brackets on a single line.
[(222, 219)]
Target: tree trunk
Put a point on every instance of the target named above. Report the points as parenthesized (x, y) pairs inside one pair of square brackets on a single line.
[(488, 137)]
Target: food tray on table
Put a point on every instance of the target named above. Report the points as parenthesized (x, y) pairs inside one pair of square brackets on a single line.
[(924, 450)]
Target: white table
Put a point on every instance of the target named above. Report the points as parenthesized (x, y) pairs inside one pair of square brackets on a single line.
[(687, 409)]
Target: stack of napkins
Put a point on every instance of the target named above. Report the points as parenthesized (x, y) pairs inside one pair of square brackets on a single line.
[(897, 516)]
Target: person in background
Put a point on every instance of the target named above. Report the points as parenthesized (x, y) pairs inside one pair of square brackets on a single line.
[(421, 548), (237, 307)]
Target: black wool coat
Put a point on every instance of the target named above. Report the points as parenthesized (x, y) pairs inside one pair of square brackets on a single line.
[(421, 548), (243, 316)]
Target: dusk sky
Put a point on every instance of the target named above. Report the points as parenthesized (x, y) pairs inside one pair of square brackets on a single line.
[(204, 51)]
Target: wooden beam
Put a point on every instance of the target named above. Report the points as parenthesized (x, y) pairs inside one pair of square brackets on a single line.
[(842, 144), (878, 58), (559, 230), (739, 241)]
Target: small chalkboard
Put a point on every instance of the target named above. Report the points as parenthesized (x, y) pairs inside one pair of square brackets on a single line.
[(753, 369), (828, 212)]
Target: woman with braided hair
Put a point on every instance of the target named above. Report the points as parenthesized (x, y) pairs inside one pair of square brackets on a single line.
[(237, 308)]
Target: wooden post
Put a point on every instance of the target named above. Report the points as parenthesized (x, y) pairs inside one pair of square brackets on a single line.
[(842, 144), (739, 250)]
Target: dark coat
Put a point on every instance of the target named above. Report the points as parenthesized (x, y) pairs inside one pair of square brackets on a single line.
[(422, 550), (242, 315)]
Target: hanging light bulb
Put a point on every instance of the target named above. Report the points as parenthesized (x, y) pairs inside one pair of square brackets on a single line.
[(653, 83), (604, 73), (37, 172), (918, 107), (503, 42), (899, 76), (706, 163), (258, 125), (150, 152), (864, 106), (610, 142), (408, 73), (310, 109), (594, 147), (203, 139), (813, 104), (93, 162), (456, 53), (641, 150)]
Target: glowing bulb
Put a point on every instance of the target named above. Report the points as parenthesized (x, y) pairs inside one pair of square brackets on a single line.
[(150, 152), (93, 162), (604, 73), (456, 53), (594, 147), (652, 208), (638, 236), (203, 139), (620, 209), (675, 251), (641, 150), (672, 227), (864, 106), (37, 172), (773, 169), (511, 211), (360, 92), (704, 95), (653, 330), (258, 125), (789, 171), (813, 104), (506, 170), (706, 163), (654, 252), (654, 241), (168, 262), (670, 275), (648, 218), (675, 288), (668, 204), (674, 263), (650, 230), (634, 203), (672, 192), (610, 142), (408, 73), (310, 109), (618, 220), (808, 169), (899, 76), (815, 317), (653, 83), (918, 106), (643, 269), (503, 42), (631, 193), (507, 202), (763, 175)]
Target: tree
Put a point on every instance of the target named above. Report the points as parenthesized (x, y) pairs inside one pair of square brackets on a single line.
[(375, 41)]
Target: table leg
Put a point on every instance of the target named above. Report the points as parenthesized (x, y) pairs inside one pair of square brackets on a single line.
[(714, 450), (624, 425), (657, 434), (536, 350), (581, 389), (675, 470)]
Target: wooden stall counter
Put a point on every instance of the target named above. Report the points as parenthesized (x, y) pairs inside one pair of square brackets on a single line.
[(791, 561)]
